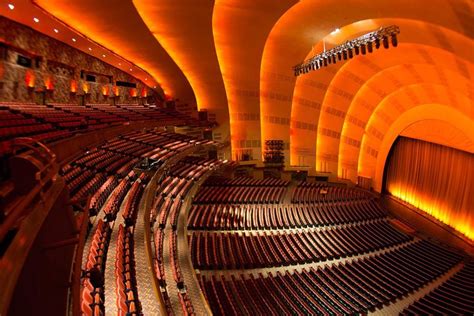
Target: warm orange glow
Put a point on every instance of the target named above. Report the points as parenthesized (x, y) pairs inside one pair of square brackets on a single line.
[(133, 92), (85, 87), (73, 86), (115, 91), (105, 90), (96, 34), (48, 82), (144, 92), (436, 209), (30, 79)]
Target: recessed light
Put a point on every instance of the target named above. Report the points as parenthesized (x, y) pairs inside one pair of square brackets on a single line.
[(146, 79), (120, 64), (131, 69), (154, 87), (11, 6), (36, 20), (73, 39), (103, 55), (90, 48), (56, 30)]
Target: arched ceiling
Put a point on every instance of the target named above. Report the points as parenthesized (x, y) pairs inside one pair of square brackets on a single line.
[(184, 28), (235, 58)]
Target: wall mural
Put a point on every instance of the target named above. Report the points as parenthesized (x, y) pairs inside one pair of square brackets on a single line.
[(35, 67)]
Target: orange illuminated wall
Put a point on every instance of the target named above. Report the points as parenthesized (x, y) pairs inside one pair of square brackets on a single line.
[(436, 179)]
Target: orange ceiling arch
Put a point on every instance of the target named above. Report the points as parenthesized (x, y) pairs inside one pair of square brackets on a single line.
[(239, 47), (305, 24), (373, 137), (184, 29), (313, 90)]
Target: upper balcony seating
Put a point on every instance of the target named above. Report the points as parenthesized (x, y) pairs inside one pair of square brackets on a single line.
[(53, 122)]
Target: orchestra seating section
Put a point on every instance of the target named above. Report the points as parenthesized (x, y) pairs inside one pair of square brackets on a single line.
[(455, 296), (52, 122), (313, 248), (355, 287)]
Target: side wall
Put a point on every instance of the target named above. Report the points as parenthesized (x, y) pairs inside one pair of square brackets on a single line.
[(56, 70)]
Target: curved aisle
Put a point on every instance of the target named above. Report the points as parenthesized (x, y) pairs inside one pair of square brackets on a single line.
[(178, 286)]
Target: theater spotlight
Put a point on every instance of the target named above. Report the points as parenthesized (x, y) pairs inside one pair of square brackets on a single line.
[(370, 47), (377, 43), (394, 40), (360, 45), (350, 53), (385, 42)]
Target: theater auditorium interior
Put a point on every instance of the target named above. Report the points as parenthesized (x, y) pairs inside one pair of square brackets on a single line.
[(236, 157)]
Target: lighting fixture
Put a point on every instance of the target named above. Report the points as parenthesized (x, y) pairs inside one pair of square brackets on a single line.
[(89, 49), (11, 6), (74, 40), (103, 55), (120, 64), (360, 45), (131, 69), (36, 20), (56, 30)]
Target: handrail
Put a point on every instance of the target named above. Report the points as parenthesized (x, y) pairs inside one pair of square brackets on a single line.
[(75, 288), (49, 166)]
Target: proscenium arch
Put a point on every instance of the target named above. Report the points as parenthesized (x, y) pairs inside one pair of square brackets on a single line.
[(430, 88), (370, 142), (420, 113), (306, 23), (345, 78)]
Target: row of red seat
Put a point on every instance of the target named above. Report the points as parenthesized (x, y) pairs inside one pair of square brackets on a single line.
[(245, 182), (238, 217), (133, 200), (166, 208), (93, 297), (240, 195), (58, 121), (310, 192), (455, 296), (126, 283), (112, 206), (351, 288), (256, 250)]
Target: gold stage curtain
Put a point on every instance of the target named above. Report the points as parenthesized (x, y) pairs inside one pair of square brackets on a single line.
[(436, 179)]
